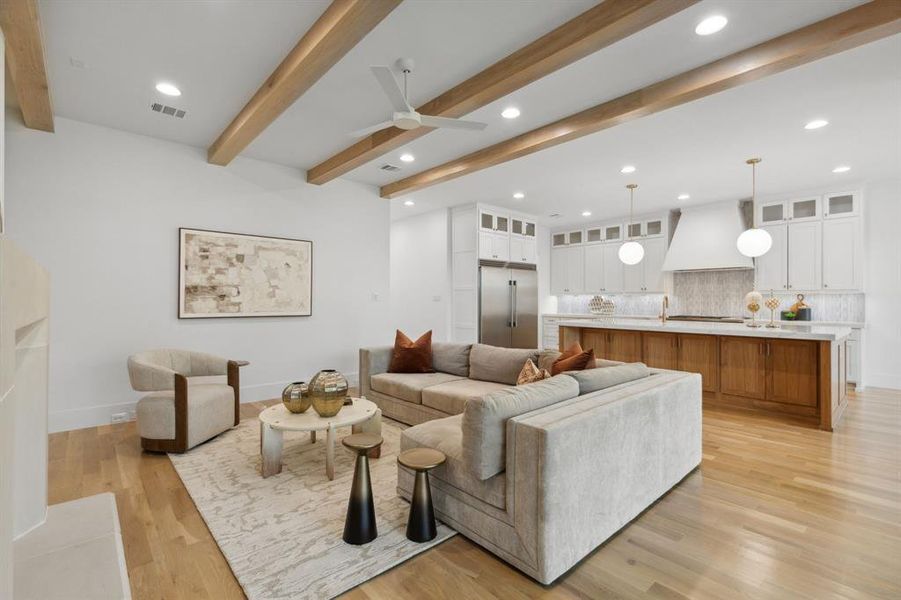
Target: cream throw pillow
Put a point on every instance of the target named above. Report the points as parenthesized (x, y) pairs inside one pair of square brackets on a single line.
[(531, 373)]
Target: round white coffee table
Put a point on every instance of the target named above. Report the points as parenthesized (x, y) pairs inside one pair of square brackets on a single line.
[(364, 417)]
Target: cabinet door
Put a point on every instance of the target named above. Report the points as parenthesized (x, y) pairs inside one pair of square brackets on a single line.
[(772, 267), (595, 339), (486, 245), (624, 346), (698, 354), (594, 269), (653, 228), (841, 204), (804, 209), (805, 255), (841, 260), (770, 213), (660, 350), (743, 367), (575, 263), (654, 253), (530, 250), (614, 275), (633, 276), (792, 371), (559, 271), (517, 249), (486, 221)]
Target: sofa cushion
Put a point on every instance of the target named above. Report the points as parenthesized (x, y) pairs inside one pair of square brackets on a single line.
[(410, 356), (500, 365), (408, 386), (485, 420), (452, 396), (446, 435), (593, 380), (451, 358)]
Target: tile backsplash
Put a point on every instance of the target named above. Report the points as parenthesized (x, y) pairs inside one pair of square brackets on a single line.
[(720, 293)]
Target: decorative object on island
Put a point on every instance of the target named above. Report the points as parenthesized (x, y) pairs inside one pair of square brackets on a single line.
[(421, 524), (603, 307), (753, 300), (359, 523), (631, 252), (772, 303), (296, 397), (801, 310), (237, 275), (754, 242), (328, 389)]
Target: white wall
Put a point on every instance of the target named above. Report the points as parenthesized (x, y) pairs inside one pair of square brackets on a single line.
[(881, 360), (101, 208), (7, 367), (420, 275)]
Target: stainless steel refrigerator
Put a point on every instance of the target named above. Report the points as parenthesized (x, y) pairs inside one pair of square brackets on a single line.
[(508, 307)]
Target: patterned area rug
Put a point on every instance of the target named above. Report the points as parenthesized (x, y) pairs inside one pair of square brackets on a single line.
[(282, 535)]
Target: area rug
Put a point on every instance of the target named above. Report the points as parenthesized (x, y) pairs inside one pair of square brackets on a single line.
[(282, 535)]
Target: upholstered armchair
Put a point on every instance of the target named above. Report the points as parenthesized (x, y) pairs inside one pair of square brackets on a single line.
[(193, 397)]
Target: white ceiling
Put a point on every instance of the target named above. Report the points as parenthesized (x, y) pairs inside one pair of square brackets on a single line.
[(219, 51)]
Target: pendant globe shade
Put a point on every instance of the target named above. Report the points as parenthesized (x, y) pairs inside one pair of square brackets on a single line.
[(631, 253), (754, 242)]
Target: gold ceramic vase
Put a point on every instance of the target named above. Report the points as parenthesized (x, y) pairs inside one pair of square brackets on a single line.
[(328, 389), (296, 397)]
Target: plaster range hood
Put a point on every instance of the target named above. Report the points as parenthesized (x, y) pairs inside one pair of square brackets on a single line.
[(705, 238)]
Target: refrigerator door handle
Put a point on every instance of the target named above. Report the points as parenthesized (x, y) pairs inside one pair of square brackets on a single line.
[(510, 307), (513, 313)]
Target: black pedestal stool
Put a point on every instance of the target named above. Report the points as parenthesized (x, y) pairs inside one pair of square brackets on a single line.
[(421, 524), (359, 525)]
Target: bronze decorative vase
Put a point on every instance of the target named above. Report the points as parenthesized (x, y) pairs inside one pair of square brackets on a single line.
[(296, 397), (328, 389)]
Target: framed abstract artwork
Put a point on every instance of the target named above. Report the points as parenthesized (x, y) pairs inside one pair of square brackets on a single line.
[(237, 275)]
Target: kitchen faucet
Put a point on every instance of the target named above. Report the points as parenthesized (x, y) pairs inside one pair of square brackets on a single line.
[(665, 306)]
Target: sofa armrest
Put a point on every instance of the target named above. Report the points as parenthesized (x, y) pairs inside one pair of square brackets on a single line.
[(586, 467), (373, 361)]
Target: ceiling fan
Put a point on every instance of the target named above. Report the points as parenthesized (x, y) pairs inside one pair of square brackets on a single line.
[(405, 116)]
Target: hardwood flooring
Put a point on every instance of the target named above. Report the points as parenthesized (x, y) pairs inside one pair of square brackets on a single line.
[(775, 511)]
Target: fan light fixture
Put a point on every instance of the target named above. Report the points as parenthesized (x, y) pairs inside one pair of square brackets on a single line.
[(631, 252), (754, 242)]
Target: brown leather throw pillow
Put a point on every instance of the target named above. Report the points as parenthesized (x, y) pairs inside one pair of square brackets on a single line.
[(574, 359), (410, 356)]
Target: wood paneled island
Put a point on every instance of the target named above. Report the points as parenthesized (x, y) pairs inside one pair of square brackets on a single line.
[(797, 371)]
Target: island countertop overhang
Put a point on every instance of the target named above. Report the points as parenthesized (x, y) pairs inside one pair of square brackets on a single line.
[(793, 331)]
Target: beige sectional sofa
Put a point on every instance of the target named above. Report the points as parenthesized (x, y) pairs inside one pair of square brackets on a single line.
[(541, 474)]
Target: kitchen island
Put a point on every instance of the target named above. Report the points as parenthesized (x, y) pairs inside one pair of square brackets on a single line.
[(795, 371)]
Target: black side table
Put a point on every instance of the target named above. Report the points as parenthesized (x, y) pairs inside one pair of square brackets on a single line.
[(359, 525), (421, 524)]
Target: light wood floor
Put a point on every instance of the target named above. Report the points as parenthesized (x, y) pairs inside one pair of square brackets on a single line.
[(775, 511)]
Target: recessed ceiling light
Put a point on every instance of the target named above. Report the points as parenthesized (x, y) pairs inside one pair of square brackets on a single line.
[(711, 25), (627, 169), (407, 157), (586, 213), (841, 169), (168, 89), (816, 124), (409, 203), (519, 195), (683, 197), (511, 112)]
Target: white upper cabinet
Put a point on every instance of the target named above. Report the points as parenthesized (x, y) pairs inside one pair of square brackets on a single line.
[(770, 213), (772, 267), (842, 261), (646, 228), (494, 246), (567, 270), (493, 221), (614, 274), (805, 208), (507, 236), (647, 276), (841, 204), (594, 269), (805, 256), (523, 250)]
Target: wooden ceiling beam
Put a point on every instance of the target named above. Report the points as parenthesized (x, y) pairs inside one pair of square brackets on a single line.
[(21, 27), (855, 27), (343, 24), (596, 28)]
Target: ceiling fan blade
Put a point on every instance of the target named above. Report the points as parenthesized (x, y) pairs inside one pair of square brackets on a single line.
[(369, 130), (395, 95), (429, 121)]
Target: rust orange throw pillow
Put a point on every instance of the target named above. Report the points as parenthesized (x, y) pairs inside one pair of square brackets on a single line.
[(574, 359), (410, 356)]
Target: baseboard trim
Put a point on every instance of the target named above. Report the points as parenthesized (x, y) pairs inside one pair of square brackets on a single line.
[(884, 380), (102, 414)]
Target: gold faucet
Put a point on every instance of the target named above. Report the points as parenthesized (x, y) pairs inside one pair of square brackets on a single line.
[(665, 306)]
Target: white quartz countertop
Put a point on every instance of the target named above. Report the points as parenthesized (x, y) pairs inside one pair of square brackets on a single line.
[(852, 324), (791, 331)]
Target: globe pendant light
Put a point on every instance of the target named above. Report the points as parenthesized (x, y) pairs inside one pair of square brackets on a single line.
[(631, 252), (754, 242)]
